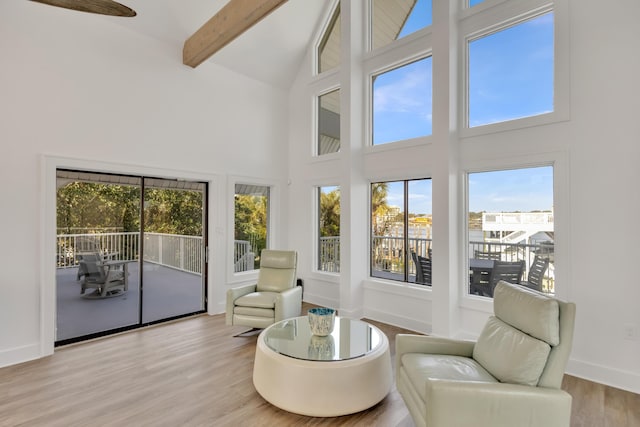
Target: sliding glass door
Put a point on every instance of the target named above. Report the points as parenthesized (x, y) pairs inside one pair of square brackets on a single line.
[(130, 252)]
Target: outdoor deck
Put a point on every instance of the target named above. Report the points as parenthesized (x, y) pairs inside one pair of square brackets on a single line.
[(168, 292)]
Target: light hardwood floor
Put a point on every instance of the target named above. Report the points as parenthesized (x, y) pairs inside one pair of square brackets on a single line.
[(193, 372)]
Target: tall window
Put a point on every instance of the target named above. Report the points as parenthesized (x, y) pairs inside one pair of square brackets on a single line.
[(510, 229), (511, 72), (401, 230), (251, 225), (393, 19), (329, 47), (329, 229), (329, 122), (402, 102)]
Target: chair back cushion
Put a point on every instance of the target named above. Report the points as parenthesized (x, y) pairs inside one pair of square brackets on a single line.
[(277, 270), (509, 354), (533, 313)]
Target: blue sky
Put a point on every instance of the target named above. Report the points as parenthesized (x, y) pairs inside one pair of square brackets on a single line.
[(511, 76)]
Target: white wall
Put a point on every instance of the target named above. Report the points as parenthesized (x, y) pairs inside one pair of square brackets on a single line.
[(595, 149), (81, 90)]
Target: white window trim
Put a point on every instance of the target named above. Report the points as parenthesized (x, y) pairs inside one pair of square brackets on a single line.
[(274, 201), (315, 193), (559, 161), (496, 16)]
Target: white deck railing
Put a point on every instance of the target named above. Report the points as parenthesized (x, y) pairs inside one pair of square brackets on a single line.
[(171, 250)]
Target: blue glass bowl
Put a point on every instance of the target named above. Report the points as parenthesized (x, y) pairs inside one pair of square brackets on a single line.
[(321, 320)]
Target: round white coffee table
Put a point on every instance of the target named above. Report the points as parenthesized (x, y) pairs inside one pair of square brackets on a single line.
[(345, 372)]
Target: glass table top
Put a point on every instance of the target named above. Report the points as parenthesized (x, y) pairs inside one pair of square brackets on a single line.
[(350, 338)]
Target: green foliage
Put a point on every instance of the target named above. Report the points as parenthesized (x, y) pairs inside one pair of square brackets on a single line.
[(84, 206), (92, 207), (173, 212), (379, 208), (251, 220), (330, 213)]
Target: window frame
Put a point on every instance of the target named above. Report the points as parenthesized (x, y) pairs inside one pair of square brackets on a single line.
[(558, 160), (316, 121), (316, 248), (490, 17), (329, 21), (272, 214), (369, 122), (407, 260)]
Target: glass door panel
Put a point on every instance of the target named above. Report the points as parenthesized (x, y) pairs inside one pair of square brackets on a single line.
[(173, 243), (97, 248)]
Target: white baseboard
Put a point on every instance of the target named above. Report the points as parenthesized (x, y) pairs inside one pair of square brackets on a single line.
[(17, 355), (399, 321), (629, 381), (320, 300)]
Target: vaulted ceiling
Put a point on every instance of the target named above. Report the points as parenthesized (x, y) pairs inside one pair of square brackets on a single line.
[(271, 51)]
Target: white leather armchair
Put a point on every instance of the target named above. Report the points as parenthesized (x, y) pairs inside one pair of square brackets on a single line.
[(511, 376), (275, 297)]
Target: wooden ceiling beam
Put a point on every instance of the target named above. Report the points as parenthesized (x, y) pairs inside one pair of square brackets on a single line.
[(236, 17)]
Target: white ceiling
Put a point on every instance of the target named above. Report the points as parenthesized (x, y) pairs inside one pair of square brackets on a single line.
[(271, 51)]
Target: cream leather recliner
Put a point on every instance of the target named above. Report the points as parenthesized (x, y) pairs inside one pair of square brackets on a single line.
[(511, 376), (275, 297)]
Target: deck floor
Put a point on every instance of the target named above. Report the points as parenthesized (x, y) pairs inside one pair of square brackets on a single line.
[(167, 293)]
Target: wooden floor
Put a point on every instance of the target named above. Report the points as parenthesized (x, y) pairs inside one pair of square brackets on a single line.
[(192, 372)]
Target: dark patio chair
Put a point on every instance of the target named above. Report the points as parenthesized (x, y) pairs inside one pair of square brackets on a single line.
[(107, 278), (536, 273), (423, 269), (502, 270)]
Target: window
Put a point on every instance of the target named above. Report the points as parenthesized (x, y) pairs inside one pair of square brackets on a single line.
[(402, 102), (401, 227), (329, 229), (251, 219), (511, 72), (329, 123), (329, 48), (510, 228), (393, 19)]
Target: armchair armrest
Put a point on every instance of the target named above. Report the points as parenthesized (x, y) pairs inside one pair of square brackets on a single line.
[(288, 303), (408, 343), (459, 403), (232, 295)]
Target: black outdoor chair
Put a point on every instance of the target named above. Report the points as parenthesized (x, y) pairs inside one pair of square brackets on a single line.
[(502, 270), (536, 273), (423, 269)]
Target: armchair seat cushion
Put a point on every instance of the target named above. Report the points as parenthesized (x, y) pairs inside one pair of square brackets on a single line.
[(421, 368), (254, 312), (258, 299)]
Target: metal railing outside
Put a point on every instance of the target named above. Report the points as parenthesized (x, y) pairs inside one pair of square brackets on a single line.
[(329, 254)]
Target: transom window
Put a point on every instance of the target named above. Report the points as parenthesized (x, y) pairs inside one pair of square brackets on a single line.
[(393, 19), (329, 123), (402, 102), (511, 72), (329, 48)]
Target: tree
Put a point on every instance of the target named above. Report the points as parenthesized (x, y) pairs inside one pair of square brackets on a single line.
[(330, 213), (379, 208), (251, 220)]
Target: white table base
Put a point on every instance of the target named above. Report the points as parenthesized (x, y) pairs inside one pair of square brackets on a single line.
[(322, 388)]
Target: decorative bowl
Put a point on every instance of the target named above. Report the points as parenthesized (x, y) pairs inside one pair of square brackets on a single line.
[(321, 321)]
